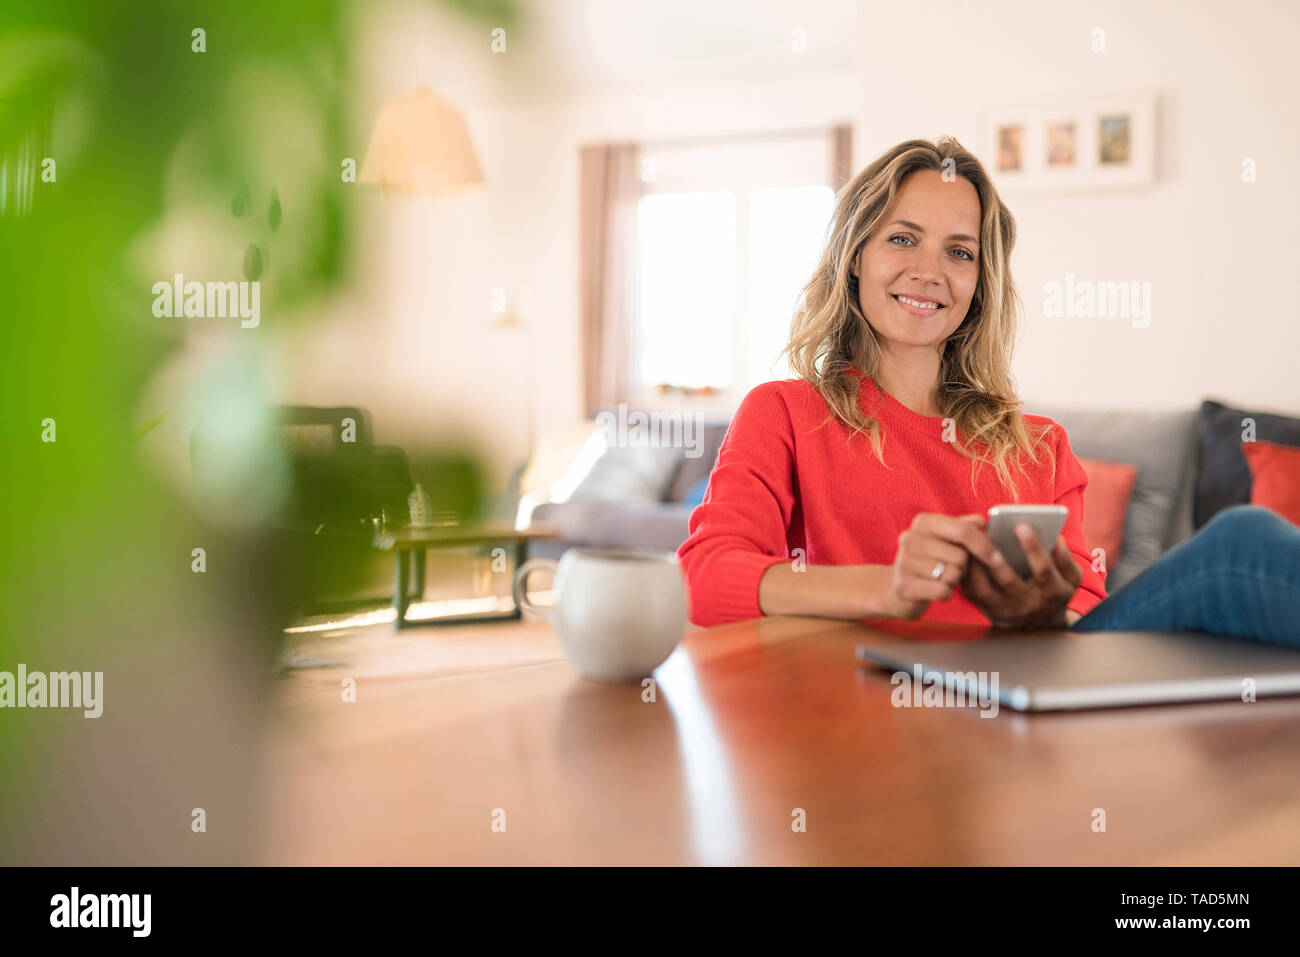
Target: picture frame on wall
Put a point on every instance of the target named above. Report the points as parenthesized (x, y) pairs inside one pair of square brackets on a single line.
[(1071, 144)]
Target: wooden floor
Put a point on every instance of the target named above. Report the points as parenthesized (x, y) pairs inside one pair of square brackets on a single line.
[(457, 731)]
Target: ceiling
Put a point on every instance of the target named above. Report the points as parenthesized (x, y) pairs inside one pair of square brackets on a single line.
[(577, 47)]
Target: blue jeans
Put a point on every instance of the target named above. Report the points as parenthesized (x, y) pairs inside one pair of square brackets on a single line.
[(1238, 575)]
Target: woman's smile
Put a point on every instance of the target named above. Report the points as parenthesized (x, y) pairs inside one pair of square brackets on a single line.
[(921, 308)]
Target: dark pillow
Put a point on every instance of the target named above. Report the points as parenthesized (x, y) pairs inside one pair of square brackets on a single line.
[(1224, 476)]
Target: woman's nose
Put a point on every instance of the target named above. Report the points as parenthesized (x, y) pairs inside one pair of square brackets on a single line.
[(926, 268), (926, 272)]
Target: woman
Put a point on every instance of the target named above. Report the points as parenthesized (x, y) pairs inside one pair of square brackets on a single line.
[(859, 489)]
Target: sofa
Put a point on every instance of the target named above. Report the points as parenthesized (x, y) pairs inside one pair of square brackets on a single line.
[(632, 498), (1189, 465)]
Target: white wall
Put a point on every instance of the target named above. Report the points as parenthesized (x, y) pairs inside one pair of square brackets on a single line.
[(1222, 255)]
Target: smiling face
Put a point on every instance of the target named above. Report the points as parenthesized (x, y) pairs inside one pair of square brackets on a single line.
[(918, 270)]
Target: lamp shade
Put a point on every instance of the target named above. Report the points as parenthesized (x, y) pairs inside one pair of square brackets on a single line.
[(420, 146)]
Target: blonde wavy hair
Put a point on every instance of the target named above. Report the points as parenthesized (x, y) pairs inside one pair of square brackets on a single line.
[(830, 332)]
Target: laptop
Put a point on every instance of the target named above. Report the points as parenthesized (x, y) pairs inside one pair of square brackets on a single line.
[(1059, 671)]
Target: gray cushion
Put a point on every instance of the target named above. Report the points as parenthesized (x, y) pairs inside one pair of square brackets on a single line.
[(630, 475), (695, 468), (1163, 447)]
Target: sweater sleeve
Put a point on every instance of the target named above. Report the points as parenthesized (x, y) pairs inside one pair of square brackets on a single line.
[(739, 530), (1071, 481)]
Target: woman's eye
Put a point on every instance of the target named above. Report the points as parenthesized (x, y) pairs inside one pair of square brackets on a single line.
[(963, 254)]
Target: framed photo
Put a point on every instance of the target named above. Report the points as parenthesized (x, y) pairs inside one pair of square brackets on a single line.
[(1078, 144)]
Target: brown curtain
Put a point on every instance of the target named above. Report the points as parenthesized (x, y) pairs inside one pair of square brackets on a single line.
[(610, 187), (841, 156)]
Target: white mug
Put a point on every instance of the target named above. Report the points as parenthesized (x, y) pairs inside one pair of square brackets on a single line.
[(618, 614)]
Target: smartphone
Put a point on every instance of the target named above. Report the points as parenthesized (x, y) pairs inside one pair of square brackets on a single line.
[(1046, 520)]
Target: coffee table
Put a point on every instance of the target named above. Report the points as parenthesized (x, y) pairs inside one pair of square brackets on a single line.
[(410, 545)]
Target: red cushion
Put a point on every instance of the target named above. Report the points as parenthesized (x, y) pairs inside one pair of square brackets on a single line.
[(1275, 471), (1105, 505)]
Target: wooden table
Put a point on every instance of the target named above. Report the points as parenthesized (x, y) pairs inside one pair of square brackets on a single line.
[(751, 723)]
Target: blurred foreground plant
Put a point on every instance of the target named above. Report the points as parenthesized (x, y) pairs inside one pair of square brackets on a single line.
[(150, 138)]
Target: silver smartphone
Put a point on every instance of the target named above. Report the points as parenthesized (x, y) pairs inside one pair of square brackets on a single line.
[(1046, 520)]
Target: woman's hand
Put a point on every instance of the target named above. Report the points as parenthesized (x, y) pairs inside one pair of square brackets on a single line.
[(941, 543), (1009, 601)]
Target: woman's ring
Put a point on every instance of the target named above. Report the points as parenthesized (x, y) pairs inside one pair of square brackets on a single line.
[(938, 571)]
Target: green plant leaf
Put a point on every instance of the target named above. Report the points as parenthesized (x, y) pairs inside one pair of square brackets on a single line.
[(253, 262)]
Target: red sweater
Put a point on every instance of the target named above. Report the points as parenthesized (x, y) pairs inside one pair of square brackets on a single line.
[(779, 484)]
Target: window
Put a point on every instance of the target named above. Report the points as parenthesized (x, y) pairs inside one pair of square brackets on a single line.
[(787, 226), (686, 261), (726, 237)]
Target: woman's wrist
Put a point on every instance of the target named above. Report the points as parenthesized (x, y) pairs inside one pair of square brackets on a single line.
[(825, 591), (877, 582)]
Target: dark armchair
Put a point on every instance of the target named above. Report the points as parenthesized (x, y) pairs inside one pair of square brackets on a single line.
[(340, 482)]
